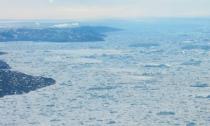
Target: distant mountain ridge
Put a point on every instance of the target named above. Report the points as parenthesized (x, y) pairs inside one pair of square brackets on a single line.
[(50, 34)]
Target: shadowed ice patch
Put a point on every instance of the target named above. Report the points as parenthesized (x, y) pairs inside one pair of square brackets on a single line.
[(202, 47), (145, 45), (166, 113), (199, 84), (192, 62), (157, 66), (111, 122), (2, 53), (191, 124), (103, 88)]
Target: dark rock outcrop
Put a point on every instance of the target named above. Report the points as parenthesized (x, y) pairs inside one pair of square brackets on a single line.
[(12, 82), (4, 65)]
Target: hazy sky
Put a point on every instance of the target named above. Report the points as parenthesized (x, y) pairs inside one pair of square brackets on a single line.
[(91, 9)]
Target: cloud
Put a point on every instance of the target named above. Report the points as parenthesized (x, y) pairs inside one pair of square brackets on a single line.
[(86, 9)]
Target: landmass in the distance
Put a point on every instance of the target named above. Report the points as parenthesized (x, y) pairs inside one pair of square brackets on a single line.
[(55, 34)]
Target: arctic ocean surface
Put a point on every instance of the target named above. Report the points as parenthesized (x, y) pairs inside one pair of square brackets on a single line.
[(150, 73)]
